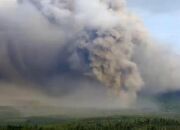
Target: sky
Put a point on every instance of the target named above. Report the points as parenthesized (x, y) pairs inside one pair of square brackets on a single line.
[(162, 18)]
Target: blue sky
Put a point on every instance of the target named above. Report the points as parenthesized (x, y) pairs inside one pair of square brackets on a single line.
[(162, 18)]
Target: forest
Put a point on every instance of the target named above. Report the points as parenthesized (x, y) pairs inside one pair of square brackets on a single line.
[(100, 123)]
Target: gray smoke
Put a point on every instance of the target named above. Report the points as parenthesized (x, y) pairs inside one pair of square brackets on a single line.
[(61, 46)]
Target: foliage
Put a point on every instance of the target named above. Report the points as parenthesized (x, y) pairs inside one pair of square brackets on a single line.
[(108, 123)]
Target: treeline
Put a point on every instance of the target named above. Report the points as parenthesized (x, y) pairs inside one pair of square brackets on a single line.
[(104, 124)]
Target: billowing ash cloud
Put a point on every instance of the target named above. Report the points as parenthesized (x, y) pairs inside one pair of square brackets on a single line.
[(60, 46)]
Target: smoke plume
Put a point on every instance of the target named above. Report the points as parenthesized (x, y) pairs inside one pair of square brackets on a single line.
[(58, 48)]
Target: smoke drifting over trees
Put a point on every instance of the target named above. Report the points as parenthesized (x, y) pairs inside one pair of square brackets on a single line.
[(68, 49)]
